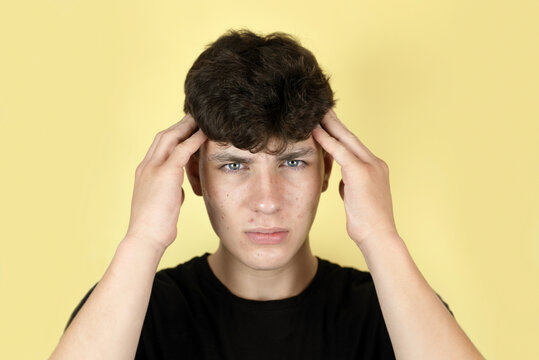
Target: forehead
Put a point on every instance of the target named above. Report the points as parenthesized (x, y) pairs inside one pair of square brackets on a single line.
[(211, 147)]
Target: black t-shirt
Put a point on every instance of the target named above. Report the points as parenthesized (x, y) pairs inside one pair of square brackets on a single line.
[(192, 315)]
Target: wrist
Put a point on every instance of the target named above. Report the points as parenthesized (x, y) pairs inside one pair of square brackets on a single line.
[(142, 246), (380, 243)]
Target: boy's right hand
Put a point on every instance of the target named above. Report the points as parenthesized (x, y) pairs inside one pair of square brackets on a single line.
[(158, 193)]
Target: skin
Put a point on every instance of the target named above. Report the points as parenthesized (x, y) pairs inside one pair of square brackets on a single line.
[(108, 326), (419, 325), (245, 192), (267, 194)]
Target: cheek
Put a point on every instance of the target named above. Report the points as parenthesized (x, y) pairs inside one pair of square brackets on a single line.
[(222, 203), (304, 196)]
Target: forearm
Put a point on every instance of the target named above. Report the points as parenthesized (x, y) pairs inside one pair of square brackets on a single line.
[(109, 324), (419, 325)]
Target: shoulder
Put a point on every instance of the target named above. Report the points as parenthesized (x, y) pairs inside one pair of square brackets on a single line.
[(351, 303), (331, 271), (183, 277), (176, 294), (346, 282), (354, 283)]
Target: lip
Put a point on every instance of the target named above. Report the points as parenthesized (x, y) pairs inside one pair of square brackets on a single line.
[(267, 236)]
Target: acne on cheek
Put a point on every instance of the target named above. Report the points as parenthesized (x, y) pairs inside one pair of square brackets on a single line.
[(221, 211)]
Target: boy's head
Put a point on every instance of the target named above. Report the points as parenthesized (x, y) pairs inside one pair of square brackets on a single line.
[(247, 90), (261, 173)]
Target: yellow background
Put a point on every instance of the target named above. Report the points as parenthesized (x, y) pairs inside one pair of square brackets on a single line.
[(446, 92)]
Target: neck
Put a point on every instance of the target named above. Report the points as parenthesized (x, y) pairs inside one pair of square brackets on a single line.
[(275, 284)]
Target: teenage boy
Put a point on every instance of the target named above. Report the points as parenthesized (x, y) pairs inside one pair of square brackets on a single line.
[(258, 143)]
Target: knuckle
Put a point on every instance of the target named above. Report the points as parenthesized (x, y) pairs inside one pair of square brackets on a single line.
[(361, 166), (372, 172), (382, 164), (139, 169), (145, 169), (151, 171), (352, 136), (158, 136), (169, 134)]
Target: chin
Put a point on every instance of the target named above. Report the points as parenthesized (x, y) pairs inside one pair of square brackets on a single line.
[(262, 257), (266, 258)]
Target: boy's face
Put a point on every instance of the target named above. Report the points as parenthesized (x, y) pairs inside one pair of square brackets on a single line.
[(261, 206)]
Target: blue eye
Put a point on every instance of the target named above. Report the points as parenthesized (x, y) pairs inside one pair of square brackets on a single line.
[(293, 163), (232, 166)]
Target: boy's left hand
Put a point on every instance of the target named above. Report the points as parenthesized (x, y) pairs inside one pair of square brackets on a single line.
[(365, 182)]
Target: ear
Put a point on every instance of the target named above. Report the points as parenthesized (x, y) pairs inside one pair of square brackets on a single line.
[(193, 173), (328, 164)]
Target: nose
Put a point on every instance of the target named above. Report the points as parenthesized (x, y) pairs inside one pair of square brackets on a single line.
[(267, 192)]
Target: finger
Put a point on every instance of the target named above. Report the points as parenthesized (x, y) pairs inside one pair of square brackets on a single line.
[(336, 128), (334, 147), (172, 137), (156, 140), (183, 151)]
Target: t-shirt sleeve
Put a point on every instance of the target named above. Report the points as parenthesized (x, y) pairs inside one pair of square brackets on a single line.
[(79, 306)]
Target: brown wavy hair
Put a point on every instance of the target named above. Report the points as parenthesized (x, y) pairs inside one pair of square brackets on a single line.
[(246, 89)]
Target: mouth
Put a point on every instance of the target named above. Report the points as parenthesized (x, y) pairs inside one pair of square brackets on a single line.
[(267, 236)]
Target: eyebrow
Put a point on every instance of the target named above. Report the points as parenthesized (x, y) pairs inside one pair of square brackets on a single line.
[(228, 158), (297, 153), (231, 158)]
